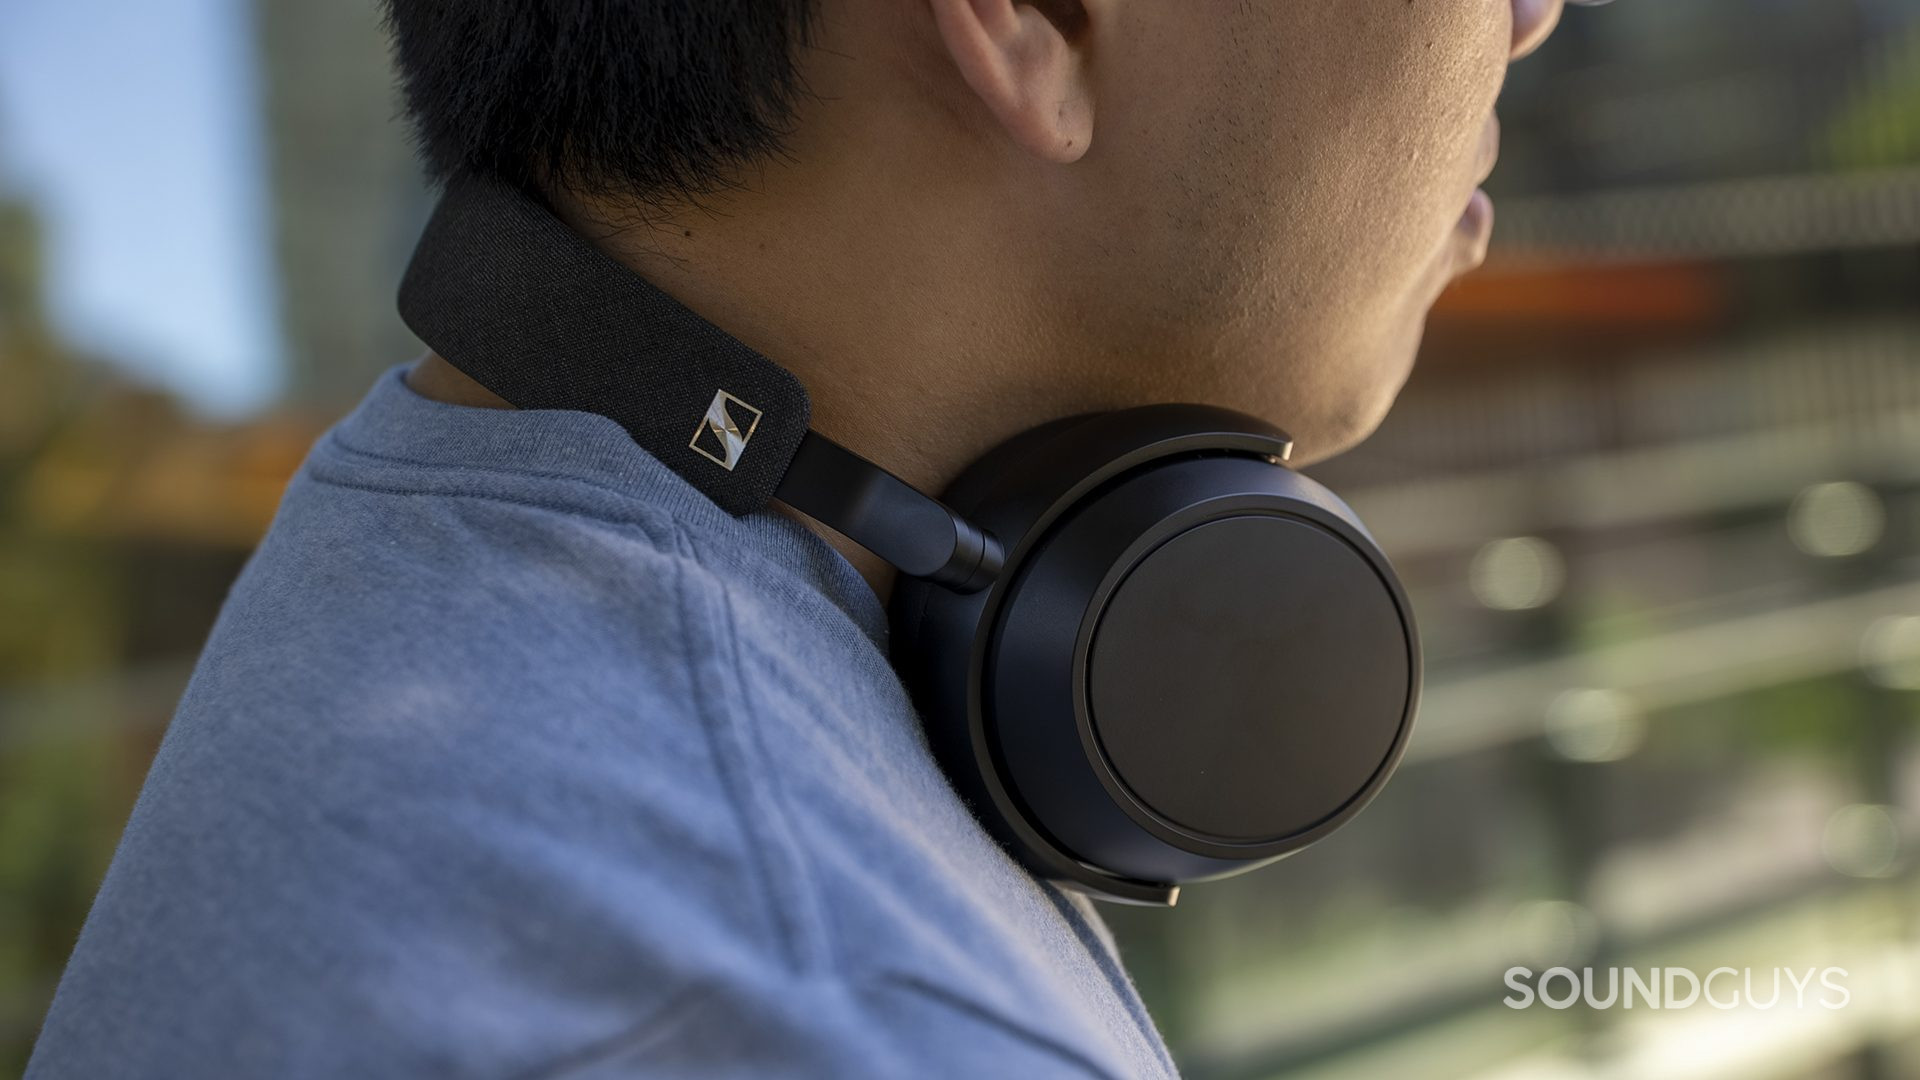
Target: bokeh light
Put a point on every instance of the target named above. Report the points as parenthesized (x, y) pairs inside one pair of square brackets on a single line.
[(1517, 573), (1591, 725), (1836, 519)]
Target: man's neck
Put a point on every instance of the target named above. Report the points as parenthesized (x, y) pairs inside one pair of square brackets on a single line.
[(879, 259), (909, 342), (919, 341)]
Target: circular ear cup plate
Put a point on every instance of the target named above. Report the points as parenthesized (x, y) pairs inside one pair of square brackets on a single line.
[(1195, 662), (1245, 680), (1204, 666)]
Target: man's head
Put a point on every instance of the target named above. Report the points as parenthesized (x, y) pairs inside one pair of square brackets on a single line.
[(1249, 203)]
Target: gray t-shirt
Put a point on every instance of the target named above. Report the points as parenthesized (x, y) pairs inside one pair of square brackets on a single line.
[(512, 755)]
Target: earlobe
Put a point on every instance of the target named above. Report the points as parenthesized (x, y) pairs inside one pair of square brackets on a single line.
[(1026, 62)]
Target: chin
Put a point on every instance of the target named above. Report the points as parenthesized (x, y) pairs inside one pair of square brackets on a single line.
[(1341, 425), (1360, 407), (1336, 435)]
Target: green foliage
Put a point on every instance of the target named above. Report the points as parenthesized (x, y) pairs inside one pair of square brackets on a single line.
[(62, 801), (1880, 126)]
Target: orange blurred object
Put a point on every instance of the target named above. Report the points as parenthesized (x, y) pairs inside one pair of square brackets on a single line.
[(1623, 297)]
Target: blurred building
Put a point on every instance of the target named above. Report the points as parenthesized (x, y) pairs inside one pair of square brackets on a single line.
[(348, 198)]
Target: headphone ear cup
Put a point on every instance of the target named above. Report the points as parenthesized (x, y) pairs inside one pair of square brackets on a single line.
[(1195, 662)]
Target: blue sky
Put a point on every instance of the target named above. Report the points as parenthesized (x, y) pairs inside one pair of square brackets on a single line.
[(134, 127)]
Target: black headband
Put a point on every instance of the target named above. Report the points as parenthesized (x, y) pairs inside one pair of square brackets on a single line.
[(508, 294), (504, 291)]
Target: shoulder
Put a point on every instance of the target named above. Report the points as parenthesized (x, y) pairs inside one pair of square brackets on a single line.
[(441, 760), (461, 652)]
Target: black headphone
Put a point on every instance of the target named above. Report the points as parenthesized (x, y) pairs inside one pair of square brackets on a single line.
[(1145, 651)]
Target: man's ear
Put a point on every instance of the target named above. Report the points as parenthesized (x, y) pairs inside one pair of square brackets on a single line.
[(1026, 60)]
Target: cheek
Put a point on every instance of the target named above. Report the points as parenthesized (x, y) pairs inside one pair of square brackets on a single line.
[(1286, 162), (1412, 101), (1363, 116)]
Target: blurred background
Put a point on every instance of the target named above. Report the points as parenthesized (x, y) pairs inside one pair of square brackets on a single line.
[(1655, 488)]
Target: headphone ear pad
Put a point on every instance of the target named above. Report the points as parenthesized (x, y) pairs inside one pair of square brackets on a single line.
[(1197, 661)]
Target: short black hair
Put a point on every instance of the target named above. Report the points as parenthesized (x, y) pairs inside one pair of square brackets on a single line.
[(660, 99)]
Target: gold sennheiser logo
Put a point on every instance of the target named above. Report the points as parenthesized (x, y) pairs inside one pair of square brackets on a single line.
[(723, 433)]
